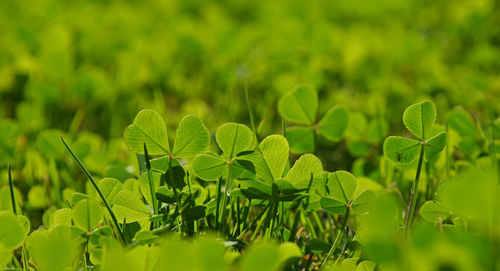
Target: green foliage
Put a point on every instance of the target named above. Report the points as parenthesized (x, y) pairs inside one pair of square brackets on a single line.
[(148, 128), (425, 200)]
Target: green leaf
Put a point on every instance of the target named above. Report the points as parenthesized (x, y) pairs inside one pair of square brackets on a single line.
[(342, 185), (262, 257), (332, 206), (128, 206), (461, 121), (299, 105), (253, 189), (87, 214), (301, 139), (432, 211), (377, 130), (233, 138), (61, 217), (209, 166), (435, 145), (305, 167), (419, 118), (363, 201), (275, 149), (12, 231), (37, 196), (334, 124), (166, 195), (148, 127), (401, 150), (54, 249), (110, 187), (191, 139)]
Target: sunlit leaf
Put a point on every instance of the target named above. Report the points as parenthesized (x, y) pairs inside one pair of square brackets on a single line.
[(275, 149), (299, 105), (419, 118), (401, 150), (334, 124), (148, 128), (192, 138), (234, 138)]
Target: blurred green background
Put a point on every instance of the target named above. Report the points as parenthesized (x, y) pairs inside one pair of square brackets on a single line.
[(106, 60)]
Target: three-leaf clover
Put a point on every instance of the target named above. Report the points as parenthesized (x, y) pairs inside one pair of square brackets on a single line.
[(148, 128), (300, 107), (233, 139), (271, 178), (419, 120), (341, 187)]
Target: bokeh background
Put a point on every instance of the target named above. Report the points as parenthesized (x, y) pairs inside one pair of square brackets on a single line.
[(103, 61)]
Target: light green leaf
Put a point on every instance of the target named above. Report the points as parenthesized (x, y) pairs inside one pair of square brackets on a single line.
[(148, 127), (110, 187), (191, 139), (363, 201), (37, 197), (342, 185), (334, 124), (305, 167), (128, 206), (401, 150), (61, 217), (209, 166), (419, 118), (301, 139), (299, 105), (461, 121), (432, 211), (435, 145), (233, 138), (12, 232), (275, 149), (262, 257), (332, 206), (54, 249), (87, 214), (366, 266), (377, 130)]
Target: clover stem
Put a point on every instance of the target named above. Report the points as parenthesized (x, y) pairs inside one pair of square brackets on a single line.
[(113, 217), (218, 199), (414, 191), (226, 196), (177, 197), (336, 243)]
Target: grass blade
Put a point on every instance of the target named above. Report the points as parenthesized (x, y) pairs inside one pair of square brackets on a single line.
[(113, 217), (11, 186)]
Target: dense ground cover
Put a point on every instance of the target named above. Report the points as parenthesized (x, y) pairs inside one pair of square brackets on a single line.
[(257, 135)]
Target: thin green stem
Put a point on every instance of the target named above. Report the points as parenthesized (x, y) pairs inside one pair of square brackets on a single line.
[(11, 187), (225, 197), (151, 181), (414, 191), (218, 200), (250, 113), (338, 238), (113, 217), (283, 126)]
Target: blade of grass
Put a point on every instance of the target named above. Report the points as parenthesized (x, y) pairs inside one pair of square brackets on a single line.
[(11, 187), (250, 113), (113, 217)]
